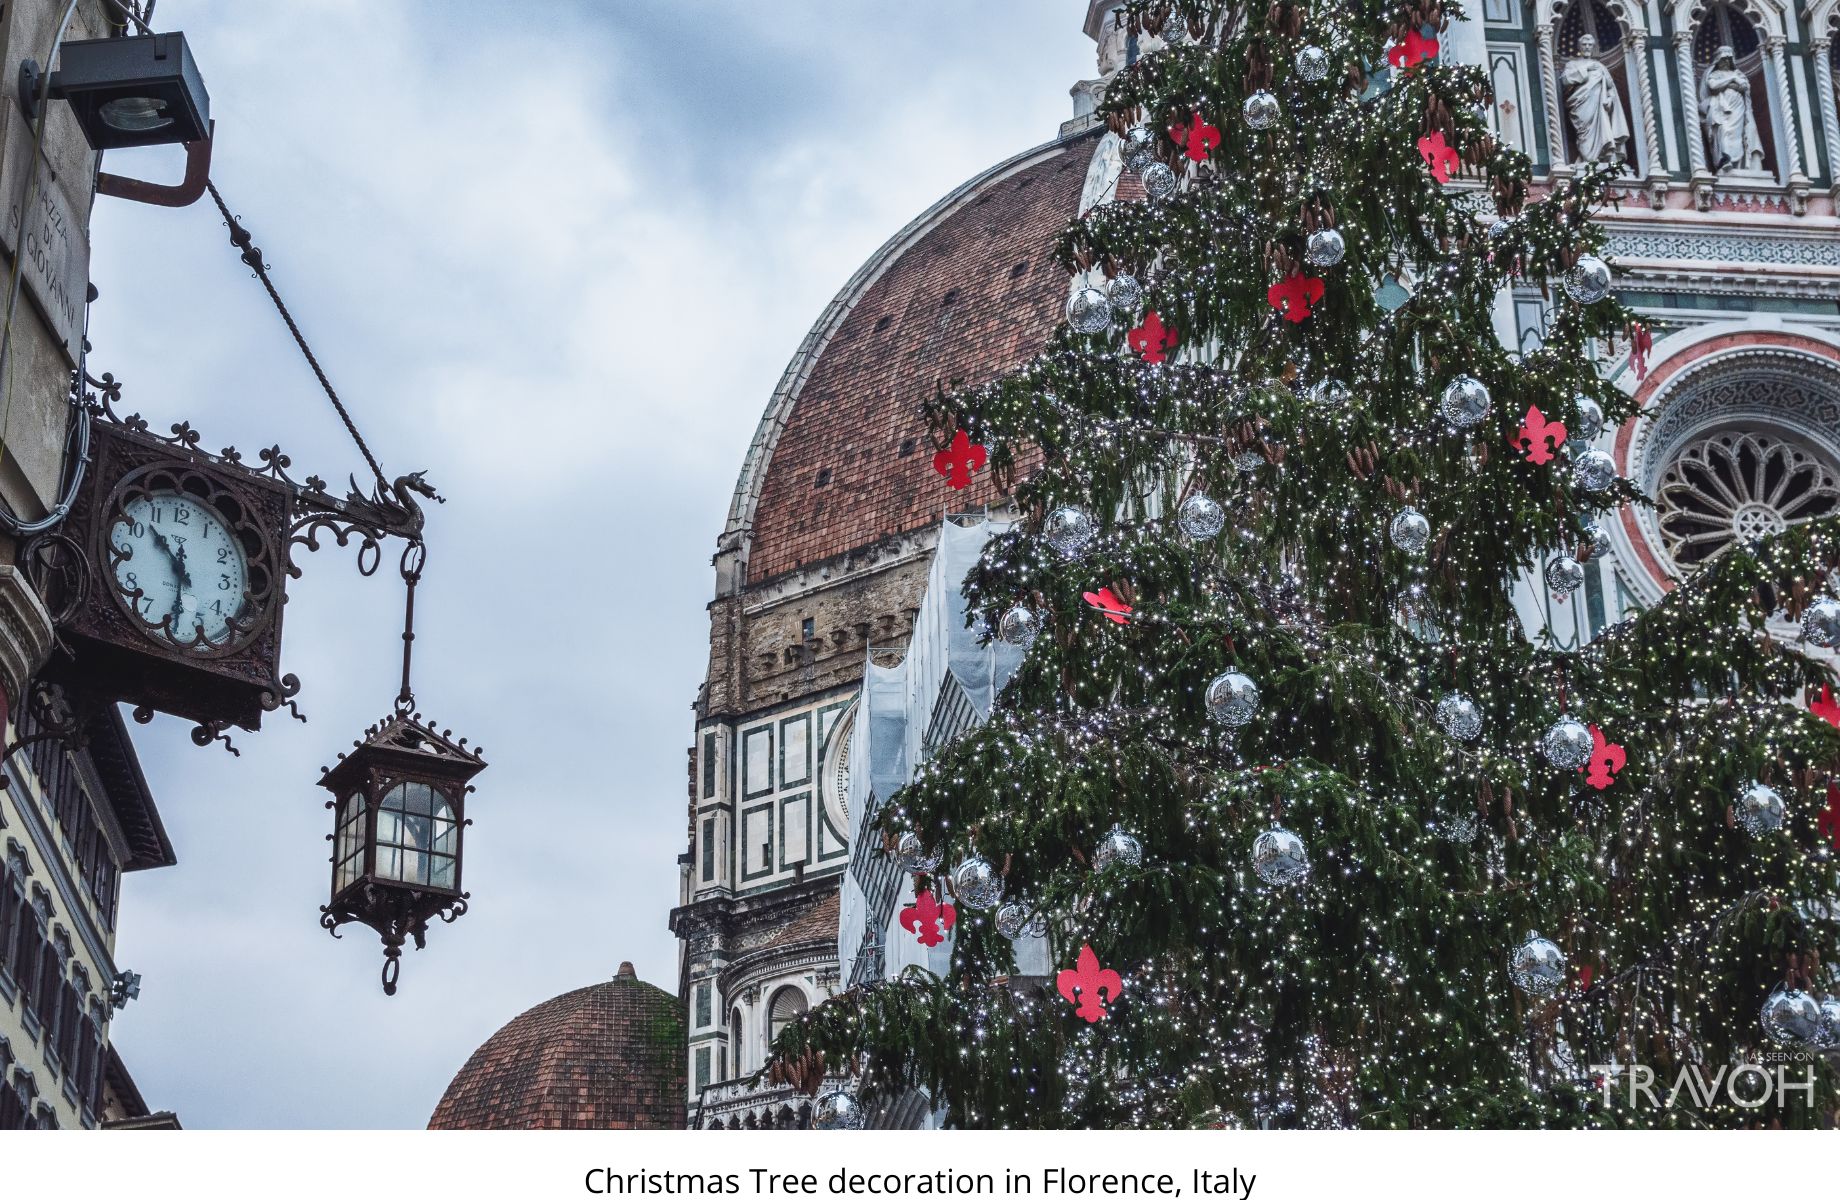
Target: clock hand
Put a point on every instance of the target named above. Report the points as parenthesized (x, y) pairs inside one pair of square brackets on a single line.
[(177, 555)]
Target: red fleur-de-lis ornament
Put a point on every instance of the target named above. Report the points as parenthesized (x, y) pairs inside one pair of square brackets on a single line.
[(1641, 341), (1828, 823), (1825, 706), (1439, 157), (1607, 758), (1294, 296), (957, 461), (1196, 138), (1088, 987), (1539, 438), (929, 920), (1585, 976), (1114, 609), (1415, 49), (1153, 339)]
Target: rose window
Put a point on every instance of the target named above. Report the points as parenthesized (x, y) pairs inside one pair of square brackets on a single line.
[(1736, 486)]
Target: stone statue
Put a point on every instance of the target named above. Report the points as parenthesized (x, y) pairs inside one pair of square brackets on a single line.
[(1114, 45), (1594, 105), (1732, 141)]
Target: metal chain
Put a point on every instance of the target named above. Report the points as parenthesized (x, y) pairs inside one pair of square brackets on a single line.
[(252, 258)]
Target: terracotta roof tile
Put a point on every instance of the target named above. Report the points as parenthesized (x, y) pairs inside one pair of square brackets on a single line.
[(610, 1056), (975, 295)]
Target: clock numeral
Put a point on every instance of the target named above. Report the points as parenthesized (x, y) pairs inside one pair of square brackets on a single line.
[(223, 554), (131, 582), (223, 583)]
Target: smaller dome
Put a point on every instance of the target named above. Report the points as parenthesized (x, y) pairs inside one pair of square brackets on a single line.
[(608, 1056)]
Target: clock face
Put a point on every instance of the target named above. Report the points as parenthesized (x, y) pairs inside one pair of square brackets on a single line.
[(181, 569)]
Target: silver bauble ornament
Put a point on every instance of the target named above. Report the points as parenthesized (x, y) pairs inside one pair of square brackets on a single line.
[(836, 1110), (1594, 471), (1593, 537), (1330, 393), (1279, 859), (1500, 228), (1791, 1017), (915, 856), (1019, 627), (1016, 920), (1201, 517), (976, 883), (1830, 1023), (1537, 966), (1313, 63), (1117, 846), (1232, 698), (1759, 809), (1247, 461), (1159, 181), (1324, 248), (1567, 743), (1260, 109), (1564, 575), (1137, 147), (1125, 293), (1589, 281), (1465, 403), (1069, 530), (1088, 311), (1590, 419), (1410, 531), (1821, 622), (1459, 716)]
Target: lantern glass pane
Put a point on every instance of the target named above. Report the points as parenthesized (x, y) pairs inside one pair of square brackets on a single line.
[(349, 852), (417, 836)]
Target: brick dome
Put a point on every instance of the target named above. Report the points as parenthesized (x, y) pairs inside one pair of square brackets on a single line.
[(967, 291), (609, 1056)]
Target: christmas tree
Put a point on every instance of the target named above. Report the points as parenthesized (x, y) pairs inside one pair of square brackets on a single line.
[(1318, 834)]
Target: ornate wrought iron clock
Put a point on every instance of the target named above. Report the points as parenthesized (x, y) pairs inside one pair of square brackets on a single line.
[(184, 558)]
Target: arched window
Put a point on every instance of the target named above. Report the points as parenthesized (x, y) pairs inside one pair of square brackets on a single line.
[(734, 1041), (1724, 26), (417, 838), (1736, 485), (789, 1004), (1740, 447)]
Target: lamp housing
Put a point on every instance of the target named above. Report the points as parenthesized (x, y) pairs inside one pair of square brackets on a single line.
[(126, 91)]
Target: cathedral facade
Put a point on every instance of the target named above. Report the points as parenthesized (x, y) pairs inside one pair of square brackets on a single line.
[(1723, 115)]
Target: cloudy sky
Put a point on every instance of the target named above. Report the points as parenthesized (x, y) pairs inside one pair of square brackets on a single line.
[(556, 253)]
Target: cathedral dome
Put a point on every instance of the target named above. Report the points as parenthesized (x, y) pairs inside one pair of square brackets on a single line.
[(968, 290), (609, 1056)]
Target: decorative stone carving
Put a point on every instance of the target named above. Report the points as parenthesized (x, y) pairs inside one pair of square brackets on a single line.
[(1733, 144), (1739, 485), (1744, 446), (25, 634), (1594, 106)]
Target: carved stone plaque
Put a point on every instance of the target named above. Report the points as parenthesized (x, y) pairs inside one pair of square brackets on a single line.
[(56, 259)]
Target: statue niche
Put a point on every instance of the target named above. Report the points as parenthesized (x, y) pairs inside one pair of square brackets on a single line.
[(1595, 86), (1733, 107)]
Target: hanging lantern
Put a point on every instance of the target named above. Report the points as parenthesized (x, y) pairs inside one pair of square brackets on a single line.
[(399, 805), (399, 801)]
